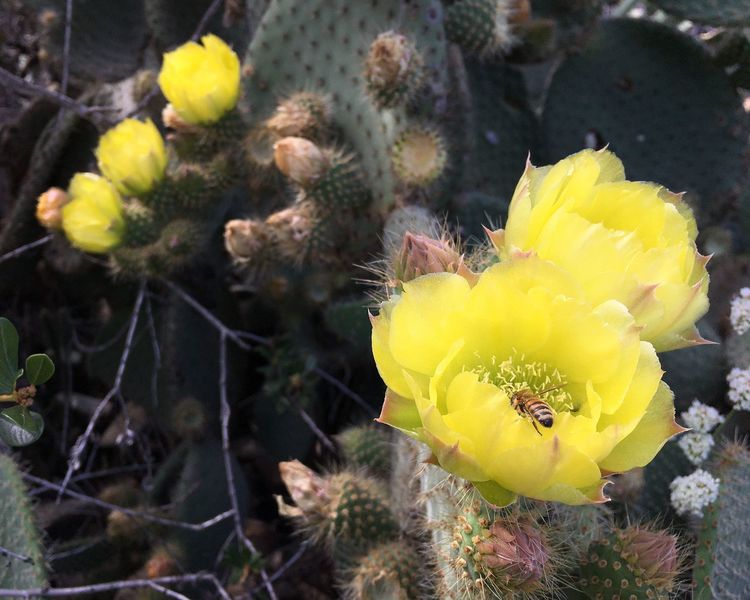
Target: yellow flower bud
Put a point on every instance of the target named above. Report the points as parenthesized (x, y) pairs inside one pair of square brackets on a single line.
[(202, 82), (49, 208), (93, 219), (623, 240), (132, 156), (519, 384), (299, 159)]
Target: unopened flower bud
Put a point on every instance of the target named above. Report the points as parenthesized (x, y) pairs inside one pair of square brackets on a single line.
[(393, 69), (244, 238), (296, 222), (421, 254), (308, 489), (49, 208), (655, 553), (515, 552), (299, 159), (304, 114)]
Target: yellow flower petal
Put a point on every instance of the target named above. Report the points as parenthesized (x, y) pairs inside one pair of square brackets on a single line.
[(201, 82)]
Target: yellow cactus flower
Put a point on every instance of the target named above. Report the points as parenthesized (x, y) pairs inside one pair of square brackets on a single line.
[(93, 219), (132, 156), (455, 357), (623, 240), (202, 82)]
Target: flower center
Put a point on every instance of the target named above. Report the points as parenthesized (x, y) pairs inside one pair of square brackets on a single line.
[(516, 373)]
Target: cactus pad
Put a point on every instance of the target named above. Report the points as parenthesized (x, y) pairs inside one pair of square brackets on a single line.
[(655, 96), (18, 532)]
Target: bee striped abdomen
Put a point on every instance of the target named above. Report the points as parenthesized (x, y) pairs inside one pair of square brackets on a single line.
[(526, 402), (540, 410)]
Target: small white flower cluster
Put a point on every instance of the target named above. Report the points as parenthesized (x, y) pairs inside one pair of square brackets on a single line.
[(692, 493), (696, 446), (701, 417), (739, 388), (739, 313)]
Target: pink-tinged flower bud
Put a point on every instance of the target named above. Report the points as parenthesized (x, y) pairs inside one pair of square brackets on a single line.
[(309, 490), (244, 239), (655, 553), (49, 208), (299, 159), (516, 553), (420, 255)]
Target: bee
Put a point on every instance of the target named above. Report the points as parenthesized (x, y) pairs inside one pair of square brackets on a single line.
[(526, 402)]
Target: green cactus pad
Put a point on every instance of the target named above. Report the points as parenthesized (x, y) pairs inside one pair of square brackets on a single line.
[(713, 12), (477, 25), (339, 187), (141, 226), (660, 102), (367, 446), (605, 574), (722, 552), (361, 518), (388, 572), (321, 46), (18, 532)]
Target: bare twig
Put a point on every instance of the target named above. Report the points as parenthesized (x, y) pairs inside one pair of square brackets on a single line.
[(225, 415), (206, 314), (210, 12), (66, 46), (278, 573), (79, 447), (166, 591), (85, 112), (293, 559), (145, 516), (111, 586), (325, 440), (25, 247), (155, 349), (10, 554), (344, 389)]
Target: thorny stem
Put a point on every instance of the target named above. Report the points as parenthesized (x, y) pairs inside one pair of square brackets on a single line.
[(82, 590)]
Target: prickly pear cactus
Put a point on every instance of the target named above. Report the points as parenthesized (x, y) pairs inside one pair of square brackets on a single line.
[(721, 549), (661, 104), (322, 46), (18, 532)]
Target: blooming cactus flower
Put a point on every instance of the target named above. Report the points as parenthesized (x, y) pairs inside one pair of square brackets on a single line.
[(202, 82), (132, 156), (93, 219), (624, 240), (454, 356)]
